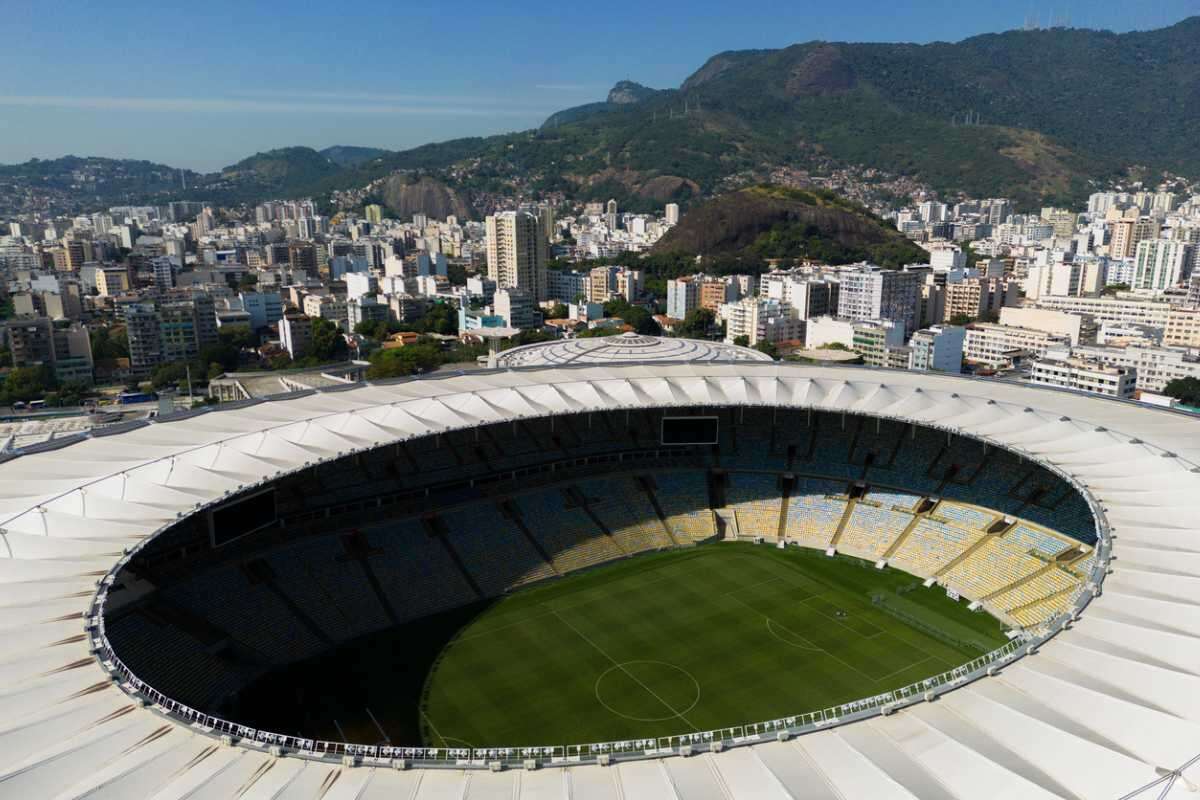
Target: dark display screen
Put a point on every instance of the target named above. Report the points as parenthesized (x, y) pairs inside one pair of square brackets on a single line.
[(689, 430)]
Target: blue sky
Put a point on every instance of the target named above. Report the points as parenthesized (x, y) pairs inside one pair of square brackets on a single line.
[(203, 84)]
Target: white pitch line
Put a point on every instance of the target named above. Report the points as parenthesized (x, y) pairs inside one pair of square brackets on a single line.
[(621, 667), (433, 728), (910, 666)]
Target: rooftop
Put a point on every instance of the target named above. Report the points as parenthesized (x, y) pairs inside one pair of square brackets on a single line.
[(625, 348)]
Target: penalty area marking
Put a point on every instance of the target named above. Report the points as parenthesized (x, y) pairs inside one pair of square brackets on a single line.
[(446, 740), (807, 645), (624, 667)]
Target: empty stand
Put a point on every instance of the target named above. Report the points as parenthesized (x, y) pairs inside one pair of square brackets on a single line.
[(683, 497), (755, 500), (565, 532)]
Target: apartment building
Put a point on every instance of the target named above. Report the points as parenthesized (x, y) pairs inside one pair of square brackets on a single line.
[(1001, 346), (1085, 375)]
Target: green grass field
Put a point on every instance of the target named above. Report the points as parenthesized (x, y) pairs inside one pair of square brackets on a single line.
[(690, 640)]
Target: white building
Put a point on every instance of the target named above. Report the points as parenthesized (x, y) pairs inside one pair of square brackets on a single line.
[(516, 252), (360, 284), (807, 296), (366, 309), (760, 320), (875, 340), (1161, 264), (295, 334), (1081, 278), (1112, 309), (328, 307), (1040, 319), (868, 292), (938, 348), (1084, 375), (1155, 366), (1000, 346), (264, 308), (518, 308)]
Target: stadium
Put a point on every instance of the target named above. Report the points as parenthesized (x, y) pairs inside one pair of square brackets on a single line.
[(616, 570)]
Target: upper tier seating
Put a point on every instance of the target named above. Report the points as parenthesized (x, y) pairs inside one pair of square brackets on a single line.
[(964, 516), (892, 499), (1026, 537)]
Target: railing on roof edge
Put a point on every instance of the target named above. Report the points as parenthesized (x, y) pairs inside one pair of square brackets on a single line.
[(603, 752)]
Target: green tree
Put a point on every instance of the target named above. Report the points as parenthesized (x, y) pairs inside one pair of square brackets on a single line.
[(109, 342), (1185, 390), (239, 336), (767, 347), (636, 317), (327, 343), (557, 311), (742, 341), (697, 323), (441, 318), (26, 383), (399, 361), (175, 373), (374, 329), (597, 333)]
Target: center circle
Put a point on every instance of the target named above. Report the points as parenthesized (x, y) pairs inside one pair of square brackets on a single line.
[(630, 689)]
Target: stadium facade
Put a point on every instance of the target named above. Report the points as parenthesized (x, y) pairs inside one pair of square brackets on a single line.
[(1100, 701)]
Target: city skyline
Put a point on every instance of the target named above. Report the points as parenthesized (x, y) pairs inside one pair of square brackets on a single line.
[(396, 79)]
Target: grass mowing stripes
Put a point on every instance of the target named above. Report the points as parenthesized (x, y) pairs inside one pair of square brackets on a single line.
[(689, 640)]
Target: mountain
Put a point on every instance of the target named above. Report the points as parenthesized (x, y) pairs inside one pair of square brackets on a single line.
[(1039, 116), (629, 92), (72, 184), (283, 172), (621, 96), (1033, 115), (350, 156), (406, 196), (765, 222)]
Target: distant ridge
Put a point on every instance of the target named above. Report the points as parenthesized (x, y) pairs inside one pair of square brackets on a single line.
[(1040, 116)]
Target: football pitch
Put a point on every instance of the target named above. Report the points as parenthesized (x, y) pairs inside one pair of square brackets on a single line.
[(691, 640)]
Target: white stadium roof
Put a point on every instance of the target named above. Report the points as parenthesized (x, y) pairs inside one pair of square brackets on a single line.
[(623, 348), (1103, 708)]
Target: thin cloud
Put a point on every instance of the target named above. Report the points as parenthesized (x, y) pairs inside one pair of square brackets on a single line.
[(379, 97), (234, 106), (566, 87)]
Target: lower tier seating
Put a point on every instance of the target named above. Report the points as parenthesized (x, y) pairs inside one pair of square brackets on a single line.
[(564, 531), (493, 549), (931, 546), (871, 530), (994, 565), (683, 498), (755, 500), (622, 505)]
